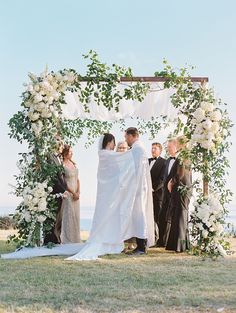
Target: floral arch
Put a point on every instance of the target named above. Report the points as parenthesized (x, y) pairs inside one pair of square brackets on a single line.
[(63, 103)]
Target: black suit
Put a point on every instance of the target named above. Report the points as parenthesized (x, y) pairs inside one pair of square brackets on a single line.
[(166, 201), (177, 236), (59, 186), (157, 176)]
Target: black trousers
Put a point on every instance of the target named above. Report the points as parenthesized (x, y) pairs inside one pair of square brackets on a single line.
[(50, 235), (141, 244), (157, 204)]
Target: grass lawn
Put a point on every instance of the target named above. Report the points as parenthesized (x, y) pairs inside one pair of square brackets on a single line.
[(159, 282)]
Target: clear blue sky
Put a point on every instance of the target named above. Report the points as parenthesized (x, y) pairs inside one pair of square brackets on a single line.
[(133, 33)]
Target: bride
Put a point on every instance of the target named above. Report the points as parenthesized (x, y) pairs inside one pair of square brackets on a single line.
[(123, 207)]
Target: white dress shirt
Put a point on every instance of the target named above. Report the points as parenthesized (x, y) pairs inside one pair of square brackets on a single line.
[(152, 162), (171, 163)]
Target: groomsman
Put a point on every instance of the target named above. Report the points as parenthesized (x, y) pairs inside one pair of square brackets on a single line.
[(157, 169), (59, 186), (170, 171)]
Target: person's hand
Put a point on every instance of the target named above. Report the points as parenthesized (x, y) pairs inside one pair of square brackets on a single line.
[(170, 186), (65, 194), (76, 196)]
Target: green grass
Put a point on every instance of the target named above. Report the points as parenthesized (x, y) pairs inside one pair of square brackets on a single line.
[(158, 282)]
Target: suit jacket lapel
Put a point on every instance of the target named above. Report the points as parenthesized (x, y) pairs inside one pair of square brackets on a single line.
[(172, 169), (157, 162), (166, 169)]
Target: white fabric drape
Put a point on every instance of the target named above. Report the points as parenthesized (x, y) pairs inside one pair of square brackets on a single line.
[(157, 102)]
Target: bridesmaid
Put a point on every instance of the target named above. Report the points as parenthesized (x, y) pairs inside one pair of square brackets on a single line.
[(70, 232)]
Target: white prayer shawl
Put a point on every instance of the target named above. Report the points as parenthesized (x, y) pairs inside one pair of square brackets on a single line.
[(124, 206)]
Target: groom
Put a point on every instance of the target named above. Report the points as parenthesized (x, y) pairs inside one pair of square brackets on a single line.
[(142, 220)]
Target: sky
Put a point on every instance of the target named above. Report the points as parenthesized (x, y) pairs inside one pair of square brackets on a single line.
[(133, 33)]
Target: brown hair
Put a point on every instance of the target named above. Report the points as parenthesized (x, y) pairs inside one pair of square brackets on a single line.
[(158, 145), (132, 131), (106, 139), (65, 152)]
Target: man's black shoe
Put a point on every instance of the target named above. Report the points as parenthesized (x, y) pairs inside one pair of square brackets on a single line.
[(136, 251)]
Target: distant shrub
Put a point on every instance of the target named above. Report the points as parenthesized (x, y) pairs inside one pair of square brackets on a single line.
[(6, 222)]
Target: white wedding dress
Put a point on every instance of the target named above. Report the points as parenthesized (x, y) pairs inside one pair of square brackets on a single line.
[(124, 208)]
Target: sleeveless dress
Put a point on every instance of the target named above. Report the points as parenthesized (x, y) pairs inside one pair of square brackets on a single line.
[(70, 232)]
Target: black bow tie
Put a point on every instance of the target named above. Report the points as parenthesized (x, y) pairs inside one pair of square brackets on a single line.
[(152, 159), (172, 158)]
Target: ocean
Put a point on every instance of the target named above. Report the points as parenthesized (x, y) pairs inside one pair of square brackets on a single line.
[(86, 214)]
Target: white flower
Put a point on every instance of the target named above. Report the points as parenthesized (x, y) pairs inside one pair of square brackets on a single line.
[(215, 127), (33, 116), (38, 98), (50, 100), (215, 116), (45, 84), (36, 88), (204, 233), (219, 228), (40, 106), (225, 132), (209, 136), (207, 106), (207, 124), (42, 205), (56, 114), (54, 85), (56, 95), (219, 139), (27, 104), (41, 218), (207, 144), (50, 189), (44, 184), (30, 88), (221, 250), (45, 113), (37, 128), (27, 216), (199, 114), (35, 200)]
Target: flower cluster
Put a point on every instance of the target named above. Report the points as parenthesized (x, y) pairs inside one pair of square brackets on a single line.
[(206, 224), (35, 197), (42, 96), (207, 130)]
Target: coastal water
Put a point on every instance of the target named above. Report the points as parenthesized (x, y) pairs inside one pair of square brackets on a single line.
[(86, 214)]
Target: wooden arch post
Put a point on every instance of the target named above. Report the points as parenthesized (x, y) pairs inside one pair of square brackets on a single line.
[(205, 179)]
